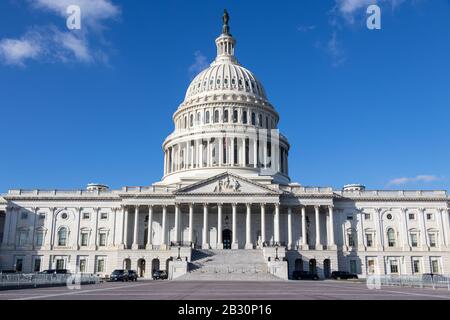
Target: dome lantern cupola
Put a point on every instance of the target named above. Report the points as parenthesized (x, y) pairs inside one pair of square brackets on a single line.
[(225, 43)]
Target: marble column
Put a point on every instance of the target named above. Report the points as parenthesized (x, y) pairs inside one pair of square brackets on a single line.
[(380, 233), (276, 224), (123, 243), (135, 245), (233, 154), (205, 243), (164, 227), (441, 223), (248, 228), (255, 152), (191, 224), (405, 238), (331, 242), (149, 228), (220, 162), (177, 224), (305, 245), (423, 230), (318, 243), (235, 244), (263, 224), (219, 227), (289, 225)]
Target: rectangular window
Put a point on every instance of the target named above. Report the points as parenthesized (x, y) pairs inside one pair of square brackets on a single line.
[(86, 216), (435, 266), (371, 266), (39, 239), (41, 216), (369, 239), (84, 239), (414, 240), (24, 215), (416, 266), (37, 265), (83, 265), (60, 264), (367, 216), (351, 240), (102, 239), (412, 216), (19, 265), (432, 239), (394, 266), (353, 268), (23, 235), (429, 216), (101, 265), (104, 215), (349, 217)]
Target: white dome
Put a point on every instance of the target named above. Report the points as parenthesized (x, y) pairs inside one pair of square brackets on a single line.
[(225, 76)]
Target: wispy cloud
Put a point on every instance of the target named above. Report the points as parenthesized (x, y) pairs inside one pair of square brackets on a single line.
[(200, 63), (350, 9), (335, 50), (306, 28), (416, 179), (48, 43)]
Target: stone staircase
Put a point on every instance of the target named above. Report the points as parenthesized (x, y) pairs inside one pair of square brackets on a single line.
[(228, 265)]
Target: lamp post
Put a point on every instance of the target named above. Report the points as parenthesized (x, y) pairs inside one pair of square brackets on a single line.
[(276, 253), (179, 256)]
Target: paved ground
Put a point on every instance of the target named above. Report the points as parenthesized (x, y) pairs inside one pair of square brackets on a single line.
[(187, 290)]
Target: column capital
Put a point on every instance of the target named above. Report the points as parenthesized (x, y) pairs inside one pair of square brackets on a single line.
[(263, 205), (330, 207), (422, 210), (234, 204), (248, 204), (112, 209), (191, 205), (220, 204), (150, 207), (316, 207), (277, 205), (403, 209)]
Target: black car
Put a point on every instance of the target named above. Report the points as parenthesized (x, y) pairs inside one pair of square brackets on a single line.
[(344, 275), (119, 275), (160, 275), (132, 275), (304, 275)]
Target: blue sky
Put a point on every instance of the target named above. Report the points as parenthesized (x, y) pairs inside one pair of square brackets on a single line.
[(358, 105)]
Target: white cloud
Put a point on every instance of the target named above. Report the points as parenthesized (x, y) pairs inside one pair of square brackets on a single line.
[(408, 180), (48, 43), (17, 51), (348, 9), (335, 50), (200, 63)]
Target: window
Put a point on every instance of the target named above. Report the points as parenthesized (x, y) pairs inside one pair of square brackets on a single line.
[(434, 266), (83, 264), (244, 117), (101, 265), (429, 216), (64, 215), (414, 240), (394, 266), (216, 116), (235, 116), (349, 218), (86, 215), (84, 239), (260, 120), (39, 238), (23, 235), (391, 237), (191, 120), (102, 239), (253, 119), (19, 265), (416, 266), (412, 216), (37, 265), (207, 117), (41, 216), (389, 216), (104, 215), (371, 266), (267, 122), (24, 215), (432, 239), (62, 237), (60, 264), (353, 268), (225, 116), (367, 216), (351, 239), (369, 239)]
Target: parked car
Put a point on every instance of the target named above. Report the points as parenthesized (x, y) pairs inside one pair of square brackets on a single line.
[(344, 275), (119, 275), (132, 275), (160, 275), (304, 275)]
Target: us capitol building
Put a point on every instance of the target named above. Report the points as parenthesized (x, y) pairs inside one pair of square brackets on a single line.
[(226, 194)]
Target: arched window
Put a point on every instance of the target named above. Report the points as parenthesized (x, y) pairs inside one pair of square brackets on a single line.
[(216, 116), (253, 119), (235, 116), (260, 120), (207, 117), (199, 118), (225, 116), (351, 237), (185, 122), (191, 120), (62, 237), (391, 237), (244, 117)]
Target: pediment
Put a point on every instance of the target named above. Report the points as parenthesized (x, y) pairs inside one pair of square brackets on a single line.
[(227, 183)]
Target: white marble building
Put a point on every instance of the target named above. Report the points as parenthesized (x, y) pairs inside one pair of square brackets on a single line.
[(226, 186)]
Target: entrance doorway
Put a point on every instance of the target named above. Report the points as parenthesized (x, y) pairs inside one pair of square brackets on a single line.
[(141, 268), (226, 237)]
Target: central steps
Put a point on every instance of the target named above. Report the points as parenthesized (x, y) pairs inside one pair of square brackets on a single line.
[(228, 265)]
